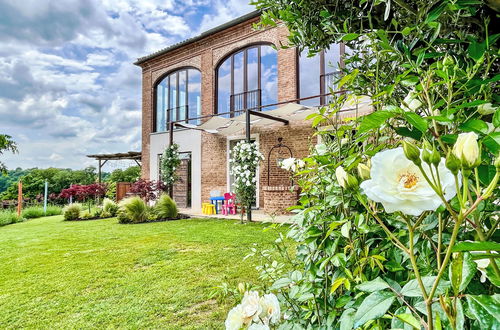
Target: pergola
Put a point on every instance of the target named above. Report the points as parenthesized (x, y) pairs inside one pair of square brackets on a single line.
[(232, 122), (103, 158)]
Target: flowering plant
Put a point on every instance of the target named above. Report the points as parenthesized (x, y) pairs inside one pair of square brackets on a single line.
[(255, 312), (244, 161), (170, 161), (414, 245)]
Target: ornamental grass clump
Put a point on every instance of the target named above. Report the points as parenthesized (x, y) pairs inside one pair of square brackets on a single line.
[(72, 211), (165, 208), (109, 207), (7, 217), (133, 210)]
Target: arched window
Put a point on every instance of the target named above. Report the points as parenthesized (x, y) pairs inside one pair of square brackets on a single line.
[(318, 74), (247, 79), (178, 98)]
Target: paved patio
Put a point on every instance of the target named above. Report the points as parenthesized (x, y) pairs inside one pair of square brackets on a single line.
[(257, 215)]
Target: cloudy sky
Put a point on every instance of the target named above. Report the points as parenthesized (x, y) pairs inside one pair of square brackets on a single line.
[(68, 87)]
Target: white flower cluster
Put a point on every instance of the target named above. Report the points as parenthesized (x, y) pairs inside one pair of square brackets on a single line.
[(255, 312), (292, 164), (245, 158)]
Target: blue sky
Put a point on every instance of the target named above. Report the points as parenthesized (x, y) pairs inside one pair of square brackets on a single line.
[(68, 87)]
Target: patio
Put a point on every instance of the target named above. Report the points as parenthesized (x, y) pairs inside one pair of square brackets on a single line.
[(257, 216)]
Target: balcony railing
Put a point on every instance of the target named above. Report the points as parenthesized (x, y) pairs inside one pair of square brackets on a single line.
[(177, 114), (245, 100), (328, 82)]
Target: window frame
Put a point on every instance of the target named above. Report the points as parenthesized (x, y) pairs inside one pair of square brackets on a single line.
[(231, 56), (322, 72), (162, 78)]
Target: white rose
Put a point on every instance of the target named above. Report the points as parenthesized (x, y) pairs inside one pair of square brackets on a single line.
[(250, 305), (300, 163), (288, 164), (270, 308), (466, 148), (398, 184), (486, 109), (341, 175), (235, 318), (411, 102)]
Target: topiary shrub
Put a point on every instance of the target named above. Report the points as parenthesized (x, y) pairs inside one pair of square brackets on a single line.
[(72, 211), (109, 207), (165, 208), (132, 210)]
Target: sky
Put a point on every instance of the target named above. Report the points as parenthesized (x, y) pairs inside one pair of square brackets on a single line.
[(68, 86)]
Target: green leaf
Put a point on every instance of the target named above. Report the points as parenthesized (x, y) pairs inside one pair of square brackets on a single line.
[(449, 138), (492, 142), (468, 271), (405, 131), (436, 11), (410, 81), (460, 319), (373, 307), (374, 120), (475, 125), (412, 289), (486, 173), (476, 246), (409, 319), (486, 310), (496, 118), (476, 50), (373, 285), (347, 319), (282, 282), (416, 121), (456, 267), (350, 36)]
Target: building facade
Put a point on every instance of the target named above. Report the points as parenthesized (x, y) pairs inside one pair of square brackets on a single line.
[(222, 71)]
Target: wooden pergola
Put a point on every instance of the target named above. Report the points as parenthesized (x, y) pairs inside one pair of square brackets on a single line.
[(103, 159)]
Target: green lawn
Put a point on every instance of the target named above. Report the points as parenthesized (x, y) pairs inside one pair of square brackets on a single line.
[(100, 274)]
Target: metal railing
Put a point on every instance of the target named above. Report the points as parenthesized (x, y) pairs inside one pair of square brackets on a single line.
[(245, 100), (181, 114), (328, 82)]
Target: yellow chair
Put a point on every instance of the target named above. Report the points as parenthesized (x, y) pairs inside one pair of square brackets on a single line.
[(208, 208)]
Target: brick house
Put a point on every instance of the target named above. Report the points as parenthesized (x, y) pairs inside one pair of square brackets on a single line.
[(222, 71)]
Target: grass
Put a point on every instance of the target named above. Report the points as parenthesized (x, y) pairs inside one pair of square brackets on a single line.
[(7, 217), (37, 211), (101, 274)]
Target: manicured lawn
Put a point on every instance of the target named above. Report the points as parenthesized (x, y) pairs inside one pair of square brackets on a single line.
[(56, 274)]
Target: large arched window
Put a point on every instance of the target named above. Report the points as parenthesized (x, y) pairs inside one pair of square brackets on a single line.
[(248, 79), (178, 98), (318, 74)]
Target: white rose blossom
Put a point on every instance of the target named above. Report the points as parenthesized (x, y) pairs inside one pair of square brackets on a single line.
[(235, 318), (341, 175), (466, 148), (399, 185), (258, 326), (270, 308), (251, 305)]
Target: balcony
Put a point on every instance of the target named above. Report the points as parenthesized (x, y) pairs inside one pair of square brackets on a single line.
[(246, 100)]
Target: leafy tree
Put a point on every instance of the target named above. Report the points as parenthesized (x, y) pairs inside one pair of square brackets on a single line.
[(6, 144), (130, 174)]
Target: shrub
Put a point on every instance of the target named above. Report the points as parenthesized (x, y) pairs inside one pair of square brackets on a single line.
[(37, 211), (132, 210), (72, 211), (165, 208), (33, 212), (86, 215), (109, 207), (8, 217)]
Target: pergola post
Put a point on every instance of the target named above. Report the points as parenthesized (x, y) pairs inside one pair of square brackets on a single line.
[(99, 171), (247, 131)]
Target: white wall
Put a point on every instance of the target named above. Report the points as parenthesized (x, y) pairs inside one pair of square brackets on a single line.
[(188, 141)]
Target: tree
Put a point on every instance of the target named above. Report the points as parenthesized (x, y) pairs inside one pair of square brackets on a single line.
[(130, 174), (6, 144)]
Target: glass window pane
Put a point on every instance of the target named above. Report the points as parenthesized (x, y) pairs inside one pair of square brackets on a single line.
[(309, 77), (224, 86), (238, 73), (194, 94), (182, 95), (161, 105), (269, 76), (332, 58), (252, 68), (173, 96)]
